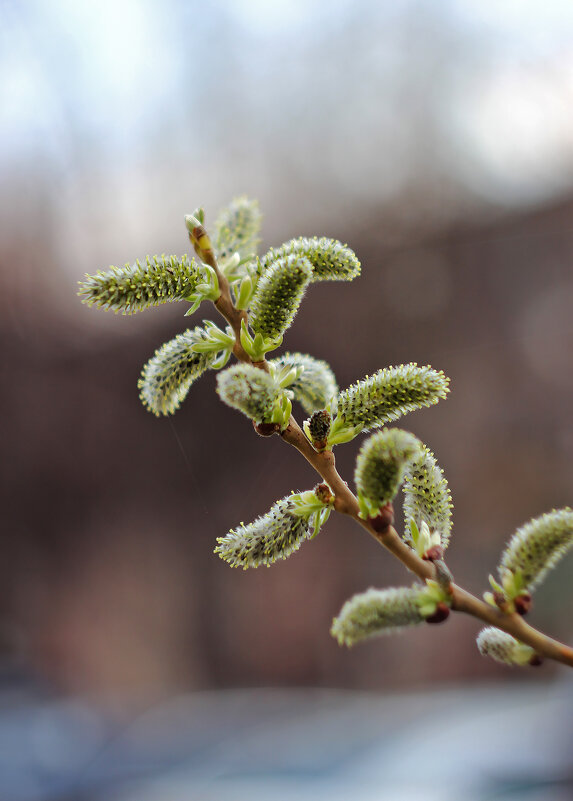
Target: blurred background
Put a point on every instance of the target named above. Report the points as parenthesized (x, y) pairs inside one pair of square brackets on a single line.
[(436, 139)]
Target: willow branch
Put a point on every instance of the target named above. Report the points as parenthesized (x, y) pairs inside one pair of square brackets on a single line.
[(346, 503), (462, 601)]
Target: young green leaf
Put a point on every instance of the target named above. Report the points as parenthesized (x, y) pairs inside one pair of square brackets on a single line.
[(129, 289)]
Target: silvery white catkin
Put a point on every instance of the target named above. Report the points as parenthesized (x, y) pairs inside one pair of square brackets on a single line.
[(237, 228), (502, 647), (129, 289), (168, 375), (316, 385), (248, 389), (427, 497), (377, 612), (538, 546), (278, 295), (273, 536), (389, 394), (381, 463), (330, 259)]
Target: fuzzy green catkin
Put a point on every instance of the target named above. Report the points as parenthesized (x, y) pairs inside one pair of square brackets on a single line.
[(427, 496), (502, 647), (168, 375), (273, 536), (381, 463), (376, 612), (236, 229), (250, 390), (538, 546), (316, 386), (389, 394), (331, 260), (278, 295), (129, 289)]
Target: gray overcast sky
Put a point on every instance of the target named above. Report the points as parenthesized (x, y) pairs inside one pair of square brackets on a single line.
[(126, 110)]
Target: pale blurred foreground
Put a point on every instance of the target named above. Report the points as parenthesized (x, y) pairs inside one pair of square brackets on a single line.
[(275, 745)]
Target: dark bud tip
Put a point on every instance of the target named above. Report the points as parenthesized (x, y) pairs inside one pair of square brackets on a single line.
[(434, 553), (323, 493), (442, 613), (382, 522), (266, 429), (536, 660), (319, 427), (500, 600), (523, 603)]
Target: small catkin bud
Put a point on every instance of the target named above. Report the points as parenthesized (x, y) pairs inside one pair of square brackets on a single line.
[(316, 385), (377, 612), (319, 426), (250, 390), (331, 261), (237, 228), (266, 429), (380, 465), (274, 536), (538, 546), (324, 493), (167, 376), (427, 497), (278, 295), (504, 648), (129, 289), (389, 394)]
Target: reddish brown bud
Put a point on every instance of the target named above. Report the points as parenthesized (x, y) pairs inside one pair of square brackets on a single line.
[(523, 603), (434, 553), (442, 613), (500, 600), (323, 493), (266, 429), (536, 660), (382, 522)]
